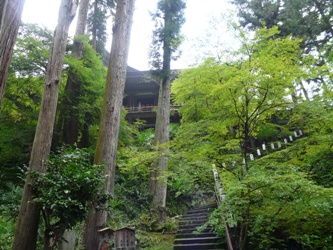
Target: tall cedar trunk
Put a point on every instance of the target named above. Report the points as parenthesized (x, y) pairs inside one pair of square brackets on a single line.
[(106, 149), (71, 122), (94, 28), (159, 183), (28, 219), (153, 174), (70, 110), (10, 19)]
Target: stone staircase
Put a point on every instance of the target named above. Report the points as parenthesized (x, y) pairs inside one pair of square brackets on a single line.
[(188, 238)]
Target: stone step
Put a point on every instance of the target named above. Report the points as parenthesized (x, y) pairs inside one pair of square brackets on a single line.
[(190, 226), (204, 215), (200, 211), (206, 246), (193, 221), (197, 240), (195, 235), (188, 237), (191, 230)]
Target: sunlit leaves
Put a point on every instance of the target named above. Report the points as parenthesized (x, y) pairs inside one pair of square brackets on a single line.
[(232, 99), (225, 105), (31, 52)]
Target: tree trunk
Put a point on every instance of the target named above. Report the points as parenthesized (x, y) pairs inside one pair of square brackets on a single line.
[(94, 28), (107, 143), (69, 243), (70, 107), (159, 183), (10, 19), (70, 112), (27, 223)]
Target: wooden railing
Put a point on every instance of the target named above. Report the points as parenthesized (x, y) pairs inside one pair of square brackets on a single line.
[(220, 195), (147, 108)]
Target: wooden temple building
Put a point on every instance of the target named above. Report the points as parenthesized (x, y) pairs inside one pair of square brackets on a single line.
[(141, 98)]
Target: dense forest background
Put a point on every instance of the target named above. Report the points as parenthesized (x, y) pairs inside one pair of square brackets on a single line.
[(278, 82)]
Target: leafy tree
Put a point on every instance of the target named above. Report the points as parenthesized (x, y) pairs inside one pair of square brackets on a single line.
[(10, 19), (18, 120), (32, 51), (65, 190), (69, 111), (232, 99), (82, 96), (169, 19), (306, 19), (21, 102), (99, 12), (224, 104), (287, 209)]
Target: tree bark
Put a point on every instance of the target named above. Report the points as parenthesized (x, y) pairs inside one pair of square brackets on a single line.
[(10, 19), (28, 219), (107, 143), (94, 28), (70, 110), (159, 182), (71, 120), (69, 244)]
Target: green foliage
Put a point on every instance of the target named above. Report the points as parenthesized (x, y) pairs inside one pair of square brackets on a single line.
[(255, 81), (132, 185), (304, 19), (10, 198), (10, 201), (90, 68), (145, 138), (225, 105), (234, 100), (32, 50), (18, 119), (154, 241), (65, 190), (91, 74), (20, 107), (7, 229), (268, 131), (315, 116), (81, 99), (98, 14), (321, 168), (284, 205), (127, 131), (189, 182), (169, 18)]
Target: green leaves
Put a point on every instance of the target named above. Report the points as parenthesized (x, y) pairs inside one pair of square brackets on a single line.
[(169, 18), (226, 106), (66, 189)]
